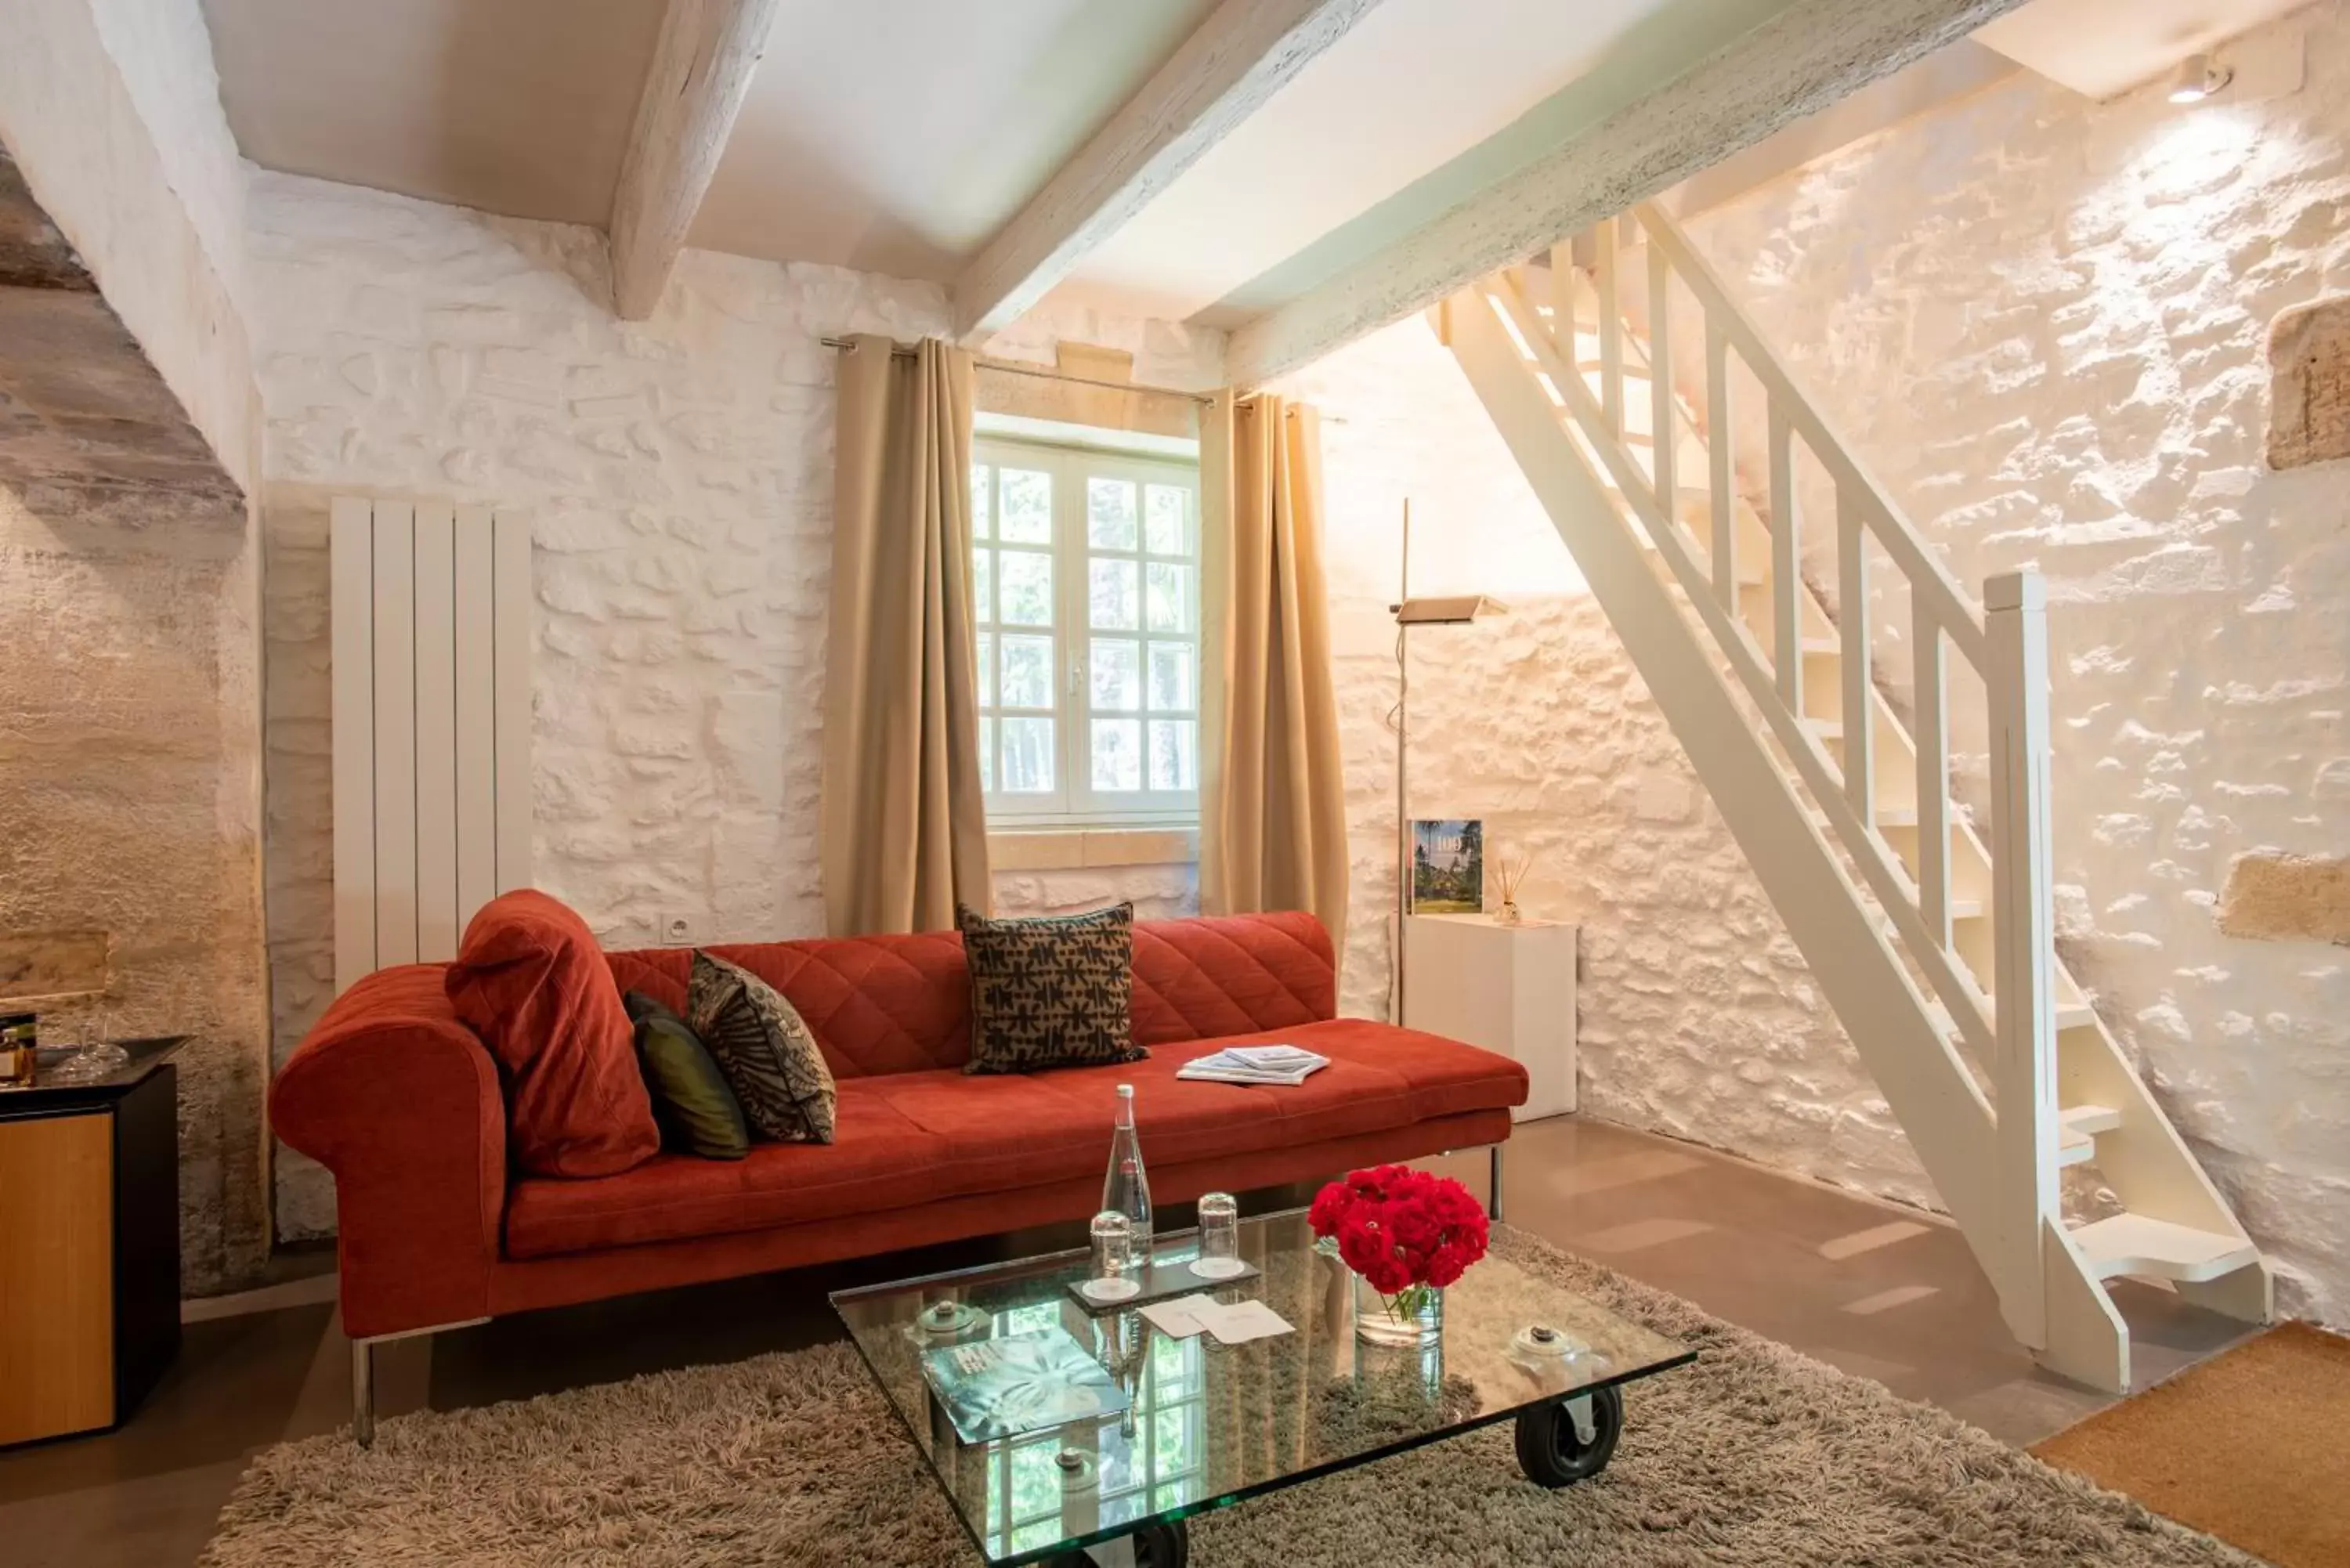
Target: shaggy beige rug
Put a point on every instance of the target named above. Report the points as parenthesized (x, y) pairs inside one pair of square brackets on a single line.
[(1752, 1456)]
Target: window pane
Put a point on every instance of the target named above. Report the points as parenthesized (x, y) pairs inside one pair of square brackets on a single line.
[(1113, 595), (1170, 597), (987, 670), (1174, 753), (1025, 594), (1109, 513), (1170, 676), (1167, 519), (1117, 675), (1028, 756), (1118, 753), (1028, 672), (987, 755), (1028, 506), (982, 582), (979, 484)]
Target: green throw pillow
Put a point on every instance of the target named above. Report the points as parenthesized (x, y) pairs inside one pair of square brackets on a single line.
[(692, 1101)]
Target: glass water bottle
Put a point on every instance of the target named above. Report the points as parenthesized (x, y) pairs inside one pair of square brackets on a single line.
[(1126, 1188)]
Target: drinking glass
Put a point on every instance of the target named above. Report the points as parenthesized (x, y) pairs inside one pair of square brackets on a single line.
[(98, 1057), (1112, 1260), (1220, 1237)]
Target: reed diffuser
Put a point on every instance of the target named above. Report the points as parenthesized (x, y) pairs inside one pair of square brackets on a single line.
[(1510, 875)]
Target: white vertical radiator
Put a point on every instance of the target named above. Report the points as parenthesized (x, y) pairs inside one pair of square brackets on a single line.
[(432, 609)]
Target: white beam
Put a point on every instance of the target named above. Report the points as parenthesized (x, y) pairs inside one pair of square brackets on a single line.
[(1225, 72), (1803, 58), (701, 67)]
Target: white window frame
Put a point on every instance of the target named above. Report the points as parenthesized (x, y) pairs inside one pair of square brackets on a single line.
[(1074, 802)]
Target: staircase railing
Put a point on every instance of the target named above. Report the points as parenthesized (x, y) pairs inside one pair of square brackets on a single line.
[(2011, 1032)]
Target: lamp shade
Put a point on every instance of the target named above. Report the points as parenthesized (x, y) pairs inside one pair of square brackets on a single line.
[(1456, 610)]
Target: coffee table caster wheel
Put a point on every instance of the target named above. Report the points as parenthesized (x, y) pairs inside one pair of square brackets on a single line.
[(1555, 1449), (1155, 1546), (1162, 1546)]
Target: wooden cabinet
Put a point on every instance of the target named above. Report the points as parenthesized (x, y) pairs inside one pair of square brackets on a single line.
[(89, 1249), (1509, 989)]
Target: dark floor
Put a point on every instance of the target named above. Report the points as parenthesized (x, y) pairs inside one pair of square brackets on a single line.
[(1877, 1291)]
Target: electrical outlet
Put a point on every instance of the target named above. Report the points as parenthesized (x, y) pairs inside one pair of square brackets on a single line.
[(677, 930)]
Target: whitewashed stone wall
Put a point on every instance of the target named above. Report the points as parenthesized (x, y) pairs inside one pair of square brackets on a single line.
[(2042, 322), (680, 475)]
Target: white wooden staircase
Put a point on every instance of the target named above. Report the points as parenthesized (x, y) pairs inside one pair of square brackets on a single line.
[(1933, 942)]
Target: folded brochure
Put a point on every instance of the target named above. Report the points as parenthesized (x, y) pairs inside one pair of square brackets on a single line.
[(1020, 1382), (1286, 1064)]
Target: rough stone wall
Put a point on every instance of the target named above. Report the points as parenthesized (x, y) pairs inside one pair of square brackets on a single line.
[(127, 805), (2044, 322), (112, 110), (130, 689), (1696, 1016), (678, 472)]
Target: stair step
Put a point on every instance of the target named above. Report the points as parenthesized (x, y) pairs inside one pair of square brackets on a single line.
[(2077, 1131), (2136, 1244), (2090, 1119)]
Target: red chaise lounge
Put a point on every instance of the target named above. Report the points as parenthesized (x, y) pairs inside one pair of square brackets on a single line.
[(396, 1096)]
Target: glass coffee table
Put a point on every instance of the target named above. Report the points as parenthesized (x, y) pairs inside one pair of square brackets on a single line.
[(1213, 1423)]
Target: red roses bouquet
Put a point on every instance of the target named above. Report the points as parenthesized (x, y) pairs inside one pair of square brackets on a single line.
[(1407, 1232)]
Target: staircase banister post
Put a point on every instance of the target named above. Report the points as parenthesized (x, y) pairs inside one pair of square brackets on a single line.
[(2015, 680)]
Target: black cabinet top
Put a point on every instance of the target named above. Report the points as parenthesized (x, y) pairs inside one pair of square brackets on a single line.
[(44, 1096)]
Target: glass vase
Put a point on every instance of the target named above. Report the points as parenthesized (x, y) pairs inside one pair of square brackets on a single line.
[(1412, 1321)]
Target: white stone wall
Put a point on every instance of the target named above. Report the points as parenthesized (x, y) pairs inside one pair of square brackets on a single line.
[(680, 475), (2042, 322)]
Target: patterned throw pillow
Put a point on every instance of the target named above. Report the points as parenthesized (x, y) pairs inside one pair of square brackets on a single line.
[(1050, 992), (764, 1049), (696, 1109)]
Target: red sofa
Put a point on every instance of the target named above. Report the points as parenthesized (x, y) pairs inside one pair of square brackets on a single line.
[(401, 1100)]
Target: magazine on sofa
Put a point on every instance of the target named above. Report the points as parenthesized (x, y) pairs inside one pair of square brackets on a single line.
[(1286, 1064), (1000, 1388)]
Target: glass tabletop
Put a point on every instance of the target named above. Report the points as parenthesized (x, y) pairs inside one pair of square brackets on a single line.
[(1210, 1423)]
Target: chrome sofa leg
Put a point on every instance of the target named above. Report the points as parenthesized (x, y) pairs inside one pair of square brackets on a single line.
[(1493, 1193), (363, 1374), (363, 1392)]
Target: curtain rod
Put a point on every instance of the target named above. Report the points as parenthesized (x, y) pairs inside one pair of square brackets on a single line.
[(848, 346)]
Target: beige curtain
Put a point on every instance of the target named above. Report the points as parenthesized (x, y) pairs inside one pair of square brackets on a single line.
[(904, 826), (1273, 814)]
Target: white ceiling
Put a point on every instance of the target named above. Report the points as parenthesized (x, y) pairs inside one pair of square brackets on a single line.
[(520, 107), (1413, 85), (895, 136), (2101, 47)]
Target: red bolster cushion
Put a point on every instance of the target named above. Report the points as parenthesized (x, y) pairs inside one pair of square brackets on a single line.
[(530, 981)]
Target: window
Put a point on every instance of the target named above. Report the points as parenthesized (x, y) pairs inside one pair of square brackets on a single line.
[(1086, 576)]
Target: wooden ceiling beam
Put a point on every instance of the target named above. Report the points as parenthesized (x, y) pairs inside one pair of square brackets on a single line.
[(700, 69), (1225, 72), (1802, 60)]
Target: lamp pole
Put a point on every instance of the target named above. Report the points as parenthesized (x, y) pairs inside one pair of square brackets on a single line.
[(1403, 731)]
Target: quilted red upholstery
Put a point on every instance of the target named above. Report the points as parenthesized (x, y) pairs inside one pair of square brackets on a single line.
[(902, 1003), (399, 1099), (908, 1140)]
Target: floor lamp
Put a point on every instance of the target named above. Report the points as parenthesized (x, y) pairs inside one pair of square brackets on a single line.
[(1408, 612)]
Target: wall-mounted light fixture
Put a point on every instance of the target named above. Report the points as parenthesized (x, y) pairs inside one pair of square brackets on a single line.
[(2199, 78)]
